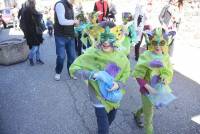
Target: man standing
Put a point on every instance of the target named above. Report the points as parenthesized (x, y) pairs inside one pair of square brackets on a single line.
[(101, 6), (64, 34)]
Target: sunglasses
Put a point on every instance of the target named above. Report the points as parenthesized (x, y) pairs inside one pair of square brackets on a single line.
[(156, 43)]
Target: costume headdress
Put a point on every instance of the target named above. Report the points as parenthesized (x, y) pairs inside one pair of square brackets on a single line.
[(107, 36), (157, 37), (127, 17), (93, 16)]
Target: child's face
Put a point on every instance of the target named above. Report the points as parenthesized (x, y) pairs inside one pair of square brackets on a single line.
[(158, 49), (158, 46), (106, 47)]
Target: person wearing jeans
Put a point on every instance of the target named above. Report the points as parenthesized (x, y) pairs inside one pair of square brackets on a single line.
[(64, 34), (104, 119), (64, 44), (35, 51), (33, 38), (89, 67)]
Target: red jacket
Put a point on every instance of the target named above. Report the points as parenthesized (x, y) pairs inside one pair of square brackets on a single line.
[(103, 7)]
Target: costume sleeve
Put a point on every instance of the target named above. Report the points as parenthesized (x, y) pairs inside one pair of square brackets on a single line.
[(83, 64), (75, 66), (141, 82), (167, 71), (83, 74), (141, 67)]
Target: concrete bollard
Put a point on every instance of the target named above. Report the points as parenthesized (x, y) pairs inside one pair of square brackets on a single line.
[(13, 51)]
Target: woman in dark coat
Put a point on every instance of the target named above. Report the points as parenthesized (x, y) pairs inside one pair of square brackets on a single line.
[(30, 16)]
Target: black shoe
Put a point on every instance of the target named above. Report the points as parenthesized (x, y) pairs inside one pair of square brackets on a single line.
[(39, 62), (31, 62), (136, 58), (138, 121)]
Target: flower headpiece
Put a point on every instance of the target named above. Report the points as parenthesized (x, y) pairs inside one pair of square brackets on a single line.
[(107, 36)]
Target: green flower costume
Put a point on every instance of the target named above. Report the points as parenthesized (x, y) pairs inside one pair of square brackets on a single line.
[(94, 60), (145, 71)]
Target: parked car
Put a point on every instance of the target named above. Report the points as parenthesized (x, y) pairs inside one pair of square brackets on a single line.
[(7, 16)]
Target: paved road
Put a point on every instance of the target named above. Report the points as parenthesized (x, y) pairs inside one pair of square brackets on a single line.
[(31, 102)]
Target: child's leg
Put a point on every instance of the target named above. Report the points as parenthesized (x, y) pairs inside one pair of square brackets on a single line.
[(32, 52), (137, 117), (139, 112), (111, 116), (148, 115), (102, 120)]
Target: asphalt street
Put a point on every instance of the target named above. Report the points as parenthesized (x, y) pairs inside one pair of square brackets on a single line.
[(32, 102)]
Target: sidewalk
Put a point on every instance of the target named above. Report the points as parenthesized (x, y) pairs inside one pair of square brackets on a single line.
[(187, 49), (186, 60)]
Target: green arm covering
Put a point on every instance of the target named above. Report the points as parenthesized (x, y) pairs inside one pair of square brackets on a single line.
[(141, 68), (167, 71)]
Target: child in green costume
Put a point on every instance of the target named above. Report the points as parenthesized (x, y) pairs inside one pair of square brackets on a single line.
[(103, 57), (152, 65)]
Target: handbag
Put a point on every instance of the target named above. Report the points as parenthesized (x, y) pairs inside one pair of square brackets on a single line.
[(39, 24)]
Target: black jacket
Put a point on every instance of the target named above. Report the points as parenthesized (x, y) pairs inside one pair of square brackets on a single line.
[(66, 31), (33, 39)]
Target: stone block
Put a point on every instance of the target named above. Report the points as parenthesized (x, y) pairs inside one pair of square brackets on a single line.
[(13, 51)]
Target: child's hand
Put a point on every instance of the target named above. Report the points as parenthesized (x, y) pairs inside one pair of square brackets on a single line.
[(150, 89), (114, 87), (163, 80)]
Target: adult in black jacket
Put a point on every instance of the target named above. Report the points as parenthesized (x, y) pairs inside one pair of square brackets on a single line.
[(30, 17)]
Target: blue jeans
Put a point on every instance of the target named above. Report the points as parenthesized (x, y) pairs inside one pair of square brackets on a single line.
[(34, 51), (64, 44), (104, 119)]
